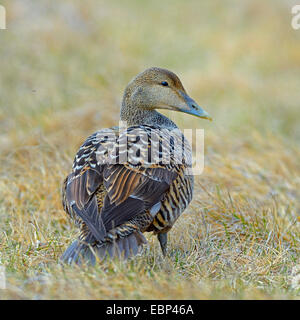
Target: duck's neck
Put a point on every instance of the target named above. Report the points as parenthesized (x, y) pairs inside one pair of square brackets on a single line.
[(134, 115)]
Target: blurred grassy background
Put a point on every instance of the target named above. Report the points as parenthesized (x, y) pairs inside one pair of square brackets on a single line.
[(63, 69)]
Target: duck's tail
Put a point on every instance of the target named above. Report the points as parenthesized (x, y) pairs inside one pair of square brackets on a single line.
[(79, 251)]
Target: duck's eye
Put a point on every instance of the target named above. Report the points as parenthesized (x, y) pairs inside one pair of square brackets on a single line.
[(164, 83)]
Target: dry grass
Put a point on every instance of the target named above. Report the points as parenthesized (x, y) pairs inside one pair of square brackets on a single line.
[(63, 70)]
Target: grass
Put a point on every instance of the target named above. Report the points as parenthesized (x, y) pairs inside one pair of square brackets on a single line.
[(63, 70)]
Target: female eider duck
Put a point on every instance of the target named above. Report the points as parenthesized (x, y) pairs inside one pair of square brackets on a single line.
[(123, 183)]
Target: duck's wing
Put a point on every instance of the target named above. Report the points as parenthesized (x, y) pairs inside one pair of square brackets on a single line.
[(119, 162)]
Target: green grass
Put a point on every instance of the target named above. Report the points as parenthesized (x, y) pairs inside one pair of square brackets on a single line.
[(64, 67)]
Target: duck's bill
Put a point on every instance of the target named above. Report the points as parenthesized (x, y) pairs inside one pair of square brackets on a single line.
[(194, 109)]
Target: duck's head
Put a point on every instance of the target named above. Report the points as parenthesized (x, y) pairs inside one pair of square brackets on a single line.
[(157, 88)]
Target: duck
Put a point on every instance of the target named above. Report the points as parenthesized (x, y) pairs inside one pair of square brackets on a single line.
[(122, 183)]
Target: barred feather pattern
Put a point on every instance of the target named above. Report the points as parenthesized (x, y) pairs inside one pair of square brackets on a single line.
[(174, 203), (116, 165)]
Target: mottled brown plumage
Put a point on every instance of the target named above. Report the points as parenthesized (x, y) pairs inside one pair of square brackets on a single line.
[(123, 183)]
